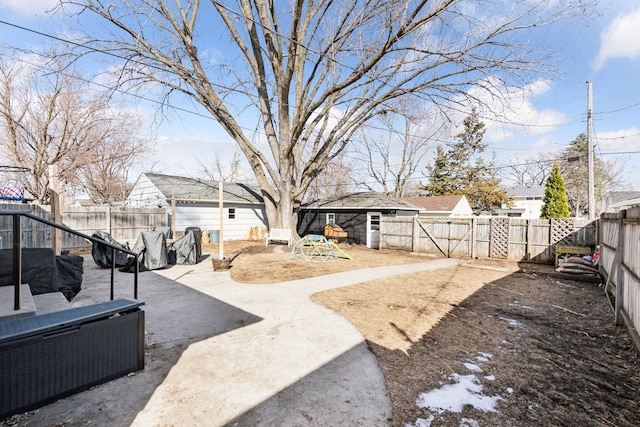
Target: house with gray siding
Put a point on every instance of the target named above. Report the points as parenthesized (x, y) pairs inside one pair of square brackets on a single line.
[(197, 203), (359, 214)]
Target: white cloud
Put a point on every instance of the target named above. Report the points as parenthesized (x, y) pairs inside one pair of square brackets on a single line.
[(28, 7), (623, 140), (621, 39), (511, 112)]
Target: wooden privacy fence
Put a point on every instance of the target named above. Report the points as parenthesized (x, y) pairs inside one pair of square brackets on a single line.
[(496, 237), (620, 265), (123, 223)]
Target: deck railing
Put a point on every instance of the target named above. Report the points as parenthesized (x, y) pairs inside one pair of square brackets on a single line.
[(17, 252)]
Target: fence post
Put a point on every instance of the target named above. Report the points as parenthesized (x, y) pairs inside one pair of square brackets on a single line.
[(415, 236), (109, 230), (56, 208), (474, 237), (173, 214), (620, 269), (528, 237), (17, 261)]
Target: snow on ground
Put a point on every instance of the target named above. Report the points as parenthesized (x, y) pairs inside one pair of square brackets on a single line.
[(511, 322), (452, 397)]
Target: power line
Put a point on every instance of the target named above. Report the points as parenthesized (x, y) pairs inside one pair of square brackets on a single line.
[(613, 138), (234, 90), (112, 54), (619, 109), (92, 49)]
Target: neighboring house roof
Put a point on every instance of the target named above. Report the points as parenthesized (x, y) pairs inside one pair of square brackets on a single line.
[(194, 189), (366, 200), (435, 203), (84, 202), (621, 196), (621, 199), (530, 191)]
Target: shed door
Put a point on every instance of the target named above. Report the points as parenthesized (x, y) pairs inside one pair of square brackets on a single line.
[(373, 230)]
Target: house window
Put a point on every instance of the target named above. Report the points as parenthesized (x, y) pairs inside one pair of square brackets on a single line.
[(232, 213), (331, 218)]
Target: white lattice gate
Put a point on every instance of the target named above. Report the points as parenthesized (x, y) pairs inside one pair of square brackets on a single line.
[(499, 242)]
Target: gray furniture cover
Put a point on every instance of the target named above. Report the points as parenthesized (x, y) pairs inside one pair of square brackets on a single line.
[(102, 254), (152, 246), (197, 233), (44, 271), (185, 249)]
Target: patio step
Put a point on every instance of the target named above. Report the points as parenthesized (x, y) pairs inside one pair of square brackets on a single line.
[(27, 304), (56, 301)]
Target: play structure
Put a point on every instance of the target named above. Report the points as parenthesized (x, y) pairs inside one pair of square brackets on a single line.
[(13, 182), (316, 248)]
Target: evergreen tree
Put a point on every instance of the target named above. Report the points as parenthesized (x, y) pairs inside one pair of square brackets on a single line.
[(460, 169), (576, 175), (555, 196)]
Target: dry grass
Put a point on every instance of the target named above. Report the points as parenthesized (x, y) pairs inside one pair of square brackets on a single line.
[(422, 327), (253, 263)]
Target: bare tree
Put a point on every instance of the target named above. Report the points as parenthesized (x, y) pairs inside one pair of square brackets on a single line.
[(529, 171), (217, 171), (52, 117), (105, 175), (336, 179), (314, 72), (396, 142)]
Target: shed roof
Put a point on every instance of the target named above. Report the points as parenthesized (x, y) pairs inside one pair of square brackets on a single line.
[(435, 203), (365, 200), (195, 189), (530, 191)]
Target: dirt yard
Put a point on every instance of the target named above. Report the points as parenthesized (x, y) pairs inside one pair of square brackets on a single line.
[(254, 263), (486, 343), (482, 344)]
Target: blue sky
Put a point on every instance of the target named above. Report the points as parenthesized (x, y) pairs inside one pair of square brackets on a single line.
[(604, 51)]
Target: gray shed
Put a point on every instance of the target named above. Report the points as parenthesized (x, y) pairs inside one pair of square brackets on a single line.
[(359, 214)]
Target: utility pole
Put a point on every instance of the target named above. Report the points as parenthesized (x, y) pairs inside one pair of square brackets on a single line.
[(591, 193)]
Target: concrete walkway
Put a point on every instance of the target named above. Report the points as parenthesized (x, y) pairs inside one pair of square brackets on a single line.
[(223, 353)]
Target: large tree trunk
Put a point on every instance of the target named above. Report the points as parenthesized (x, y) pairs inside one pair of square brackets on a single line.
[(284, 212)]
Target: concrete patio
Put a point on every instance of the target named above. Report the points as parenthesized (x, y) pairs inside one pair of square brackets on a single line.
[(223, 353)]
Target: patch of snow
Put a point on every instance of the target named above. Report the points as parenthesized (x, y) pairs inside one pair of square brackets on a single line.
[(509, 390), (511, 322), (484, 357), (466, 390), (490, 377), (421, 422), (526, 307), (472, 367), (469, 422)]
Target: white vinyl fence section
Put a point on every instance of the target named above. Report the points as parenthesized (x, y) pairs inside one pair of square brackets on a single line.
[(620, 266), (514, 239)]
